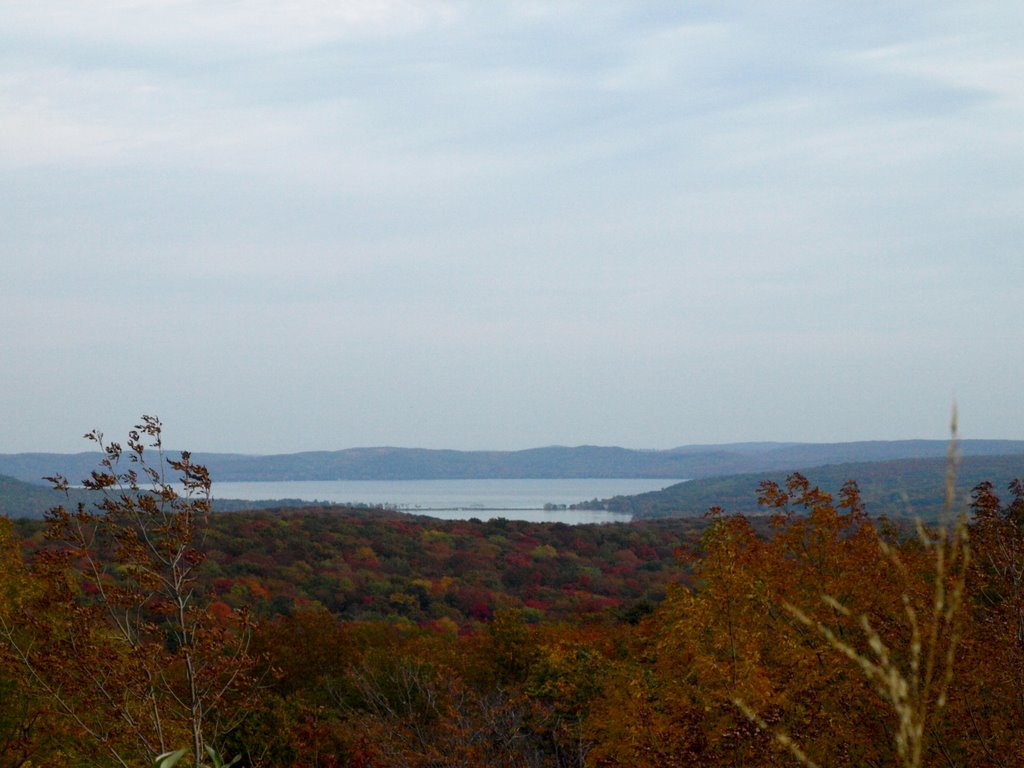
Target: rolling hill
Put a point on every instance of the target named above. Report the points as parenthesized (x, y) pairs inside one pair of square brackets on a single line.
[(895, 488), (685, 462)]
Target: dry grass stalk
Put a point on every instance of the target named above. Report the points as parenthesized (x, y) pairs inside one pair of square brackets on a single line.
[(781, 738), (918, 690)]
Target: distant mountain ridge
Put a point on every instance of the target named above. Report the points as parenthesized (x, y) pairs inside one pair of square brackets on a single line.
[(389, 463)]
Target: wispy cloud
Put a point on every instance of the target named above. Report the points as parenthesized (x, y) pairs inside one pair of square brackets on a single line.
[(667, 209)]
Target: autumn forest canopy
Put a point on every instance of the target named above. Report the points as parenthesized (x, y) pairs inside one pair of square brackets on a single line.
[(812, 630)]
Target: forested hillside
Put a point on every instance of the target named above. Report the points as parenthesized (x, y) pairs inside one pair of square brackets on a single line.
[(19, 499), (906, 488), (368, 565), (322, 637)]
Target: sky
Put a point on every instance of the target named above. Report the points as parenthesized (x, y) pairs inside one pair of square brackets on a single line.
[(287, 225)]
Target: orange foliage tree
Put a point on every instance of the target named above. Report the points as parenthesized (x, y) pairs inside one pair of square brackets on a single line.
[(116, 635), (730, 637), (984, 724)]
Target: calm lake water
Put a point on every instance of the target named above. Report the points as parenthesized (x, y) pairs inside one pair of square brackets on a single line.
[(458, 499)]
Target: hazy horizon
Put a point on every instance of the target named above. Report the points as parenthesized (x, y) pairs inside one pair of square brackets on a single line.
[(709, 446), (289, 227)]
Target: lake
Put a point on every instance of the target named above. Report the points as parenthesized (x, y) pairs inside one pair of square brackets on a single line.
[(515, 499)]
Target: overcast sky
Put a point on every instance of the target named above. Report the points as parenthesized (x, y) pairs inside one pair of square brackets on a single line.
[(315, 224)]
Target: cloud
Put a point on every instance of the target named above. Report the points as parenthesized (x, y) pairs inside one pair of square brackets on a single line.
[(646, 199), (228, 26)]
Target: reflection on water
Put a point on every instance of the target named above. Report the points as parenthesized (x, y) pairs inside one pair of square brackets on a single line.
[(516, 499)]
